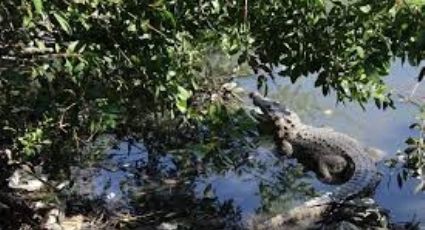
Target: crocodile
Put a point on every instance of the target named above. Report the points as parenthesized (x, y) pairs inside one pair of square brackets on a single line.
[(336, 158)]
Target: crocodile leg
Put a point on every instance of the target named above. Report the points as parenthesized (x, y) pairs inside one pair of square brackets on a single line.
[(286, 148), (331, 169), (324, 174)]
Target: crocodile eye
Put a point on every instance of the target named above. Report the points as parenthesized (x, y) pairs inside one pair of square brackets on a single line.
[(286, 112)]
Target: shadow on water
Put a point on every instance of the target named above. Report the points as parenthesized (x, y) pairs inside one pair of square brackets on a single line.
[(123, 186), (213, 199), (217, 199)]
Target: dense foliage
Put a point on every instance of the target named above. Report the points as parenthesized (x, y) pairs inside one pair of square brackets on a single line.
[(73, 69), (412, 158)]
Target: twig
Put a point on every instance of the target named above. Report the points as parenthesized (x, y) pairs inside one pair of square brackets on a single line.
[(62, 126), (30, 57), (245, 12), (410, 98), (156, 30), (414, 90)]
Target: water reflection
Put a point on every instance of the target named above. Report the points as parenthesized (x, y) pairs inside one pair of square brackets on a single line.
[(386, 130), (266, 183), (112, 179)]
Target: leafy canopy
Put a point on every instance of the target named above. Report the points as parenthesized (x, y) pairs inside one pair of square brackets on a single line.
[(73, 69)]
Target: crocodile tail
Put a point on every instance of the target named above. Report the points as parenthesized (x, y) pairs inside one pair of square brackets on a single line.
[(295, 218), (365, 177)]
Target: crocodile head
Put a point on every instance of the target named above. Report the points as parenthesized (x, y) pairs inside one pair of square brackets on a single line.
[(284, 120)]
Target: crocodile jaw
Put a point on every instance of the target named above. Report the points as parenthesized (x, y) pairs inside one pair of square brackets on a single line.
[(286, 122), (268, 107)]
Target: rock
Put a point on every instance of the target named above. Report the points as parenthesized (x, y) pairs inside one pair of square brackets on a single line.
[(22, 179), (73, 223), (53, 219)]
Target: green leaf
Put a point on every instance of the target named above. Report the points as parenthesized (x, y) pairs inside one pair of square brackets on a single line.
[(72, 46), (421, 74), (208, 191), (183, 94), (410, 141), (63, 22), (38, 5), (181, 105), (365, 9), (409, 150), (182, 97), (414, 125), (132, 27), (80, 67), (168, 15), (360, 52)]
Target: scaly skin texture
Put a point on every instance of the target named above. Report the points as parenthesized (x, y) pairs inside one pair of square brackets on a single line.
[(336, 158)]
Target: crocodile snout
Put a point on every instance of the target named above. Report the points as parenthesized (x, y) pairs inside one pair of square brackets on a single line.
[(260, 101), (254, 94)]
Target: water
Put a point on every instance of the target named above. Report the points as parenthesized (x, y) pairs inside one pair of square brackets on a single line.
[(385, 130), (113, 178)]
